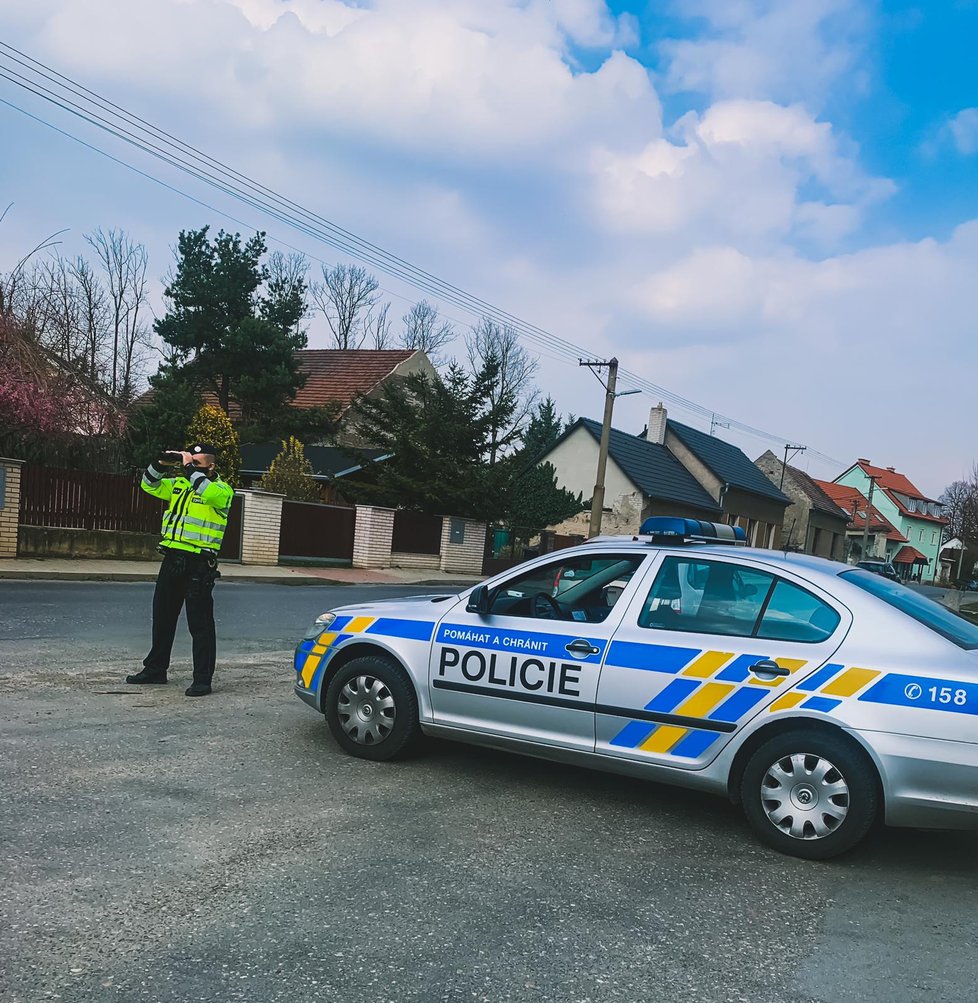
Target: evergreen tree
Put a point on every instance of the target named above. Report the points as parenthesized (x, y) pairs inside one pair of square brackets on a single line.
[(543, 430), (536, 502), (161, 423), (291, 474), (232, 325), (439, 434), (211, 424)]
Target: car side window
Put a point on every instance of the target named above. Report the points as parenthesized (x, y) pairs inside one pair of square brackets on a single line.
[(583, 588), (792, 614), (709, 597)]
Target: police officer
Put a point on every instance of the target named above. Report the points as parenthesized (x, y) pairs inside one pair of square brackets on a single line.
[(193, 528)]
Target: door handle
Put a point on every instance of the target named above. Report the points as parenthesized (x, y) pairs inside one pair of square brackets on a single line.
[(768, 667), (582, 647)]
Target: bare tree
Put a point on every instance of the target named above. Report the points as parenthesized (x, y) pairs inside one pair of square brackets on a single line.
[(378, 327), (124, 263), (347, 297), (425, 330), (286, 281), (490, 344), (93, 315), (57, 323)]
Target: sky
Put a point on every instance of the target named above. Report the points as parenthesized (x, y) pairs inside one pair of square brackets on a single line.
[(768, 208)]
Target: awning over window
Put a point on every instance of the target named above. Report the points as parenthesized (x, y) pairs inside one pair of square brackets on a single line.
[(910, 555)]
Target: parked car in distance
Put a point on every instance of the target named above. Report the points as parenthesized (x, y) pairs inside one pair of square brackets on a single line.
[(883, 568)]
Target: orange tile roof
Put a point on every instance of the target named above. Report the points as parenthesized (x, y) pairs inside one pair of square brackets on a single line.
[(910, 555), (891, 480), (334, 374), (853, 501)]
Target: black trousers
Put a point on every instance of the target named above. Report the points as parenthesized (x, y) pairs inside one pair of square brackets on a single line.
[(185, 578)]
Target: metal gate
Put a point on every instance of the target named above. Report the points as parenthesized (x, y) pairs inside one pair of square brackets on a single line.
[(416, 533), (313, 531)]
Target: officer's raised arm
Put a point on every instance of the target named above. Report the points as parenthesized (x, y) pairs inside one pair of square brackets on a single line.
[(154, 481)]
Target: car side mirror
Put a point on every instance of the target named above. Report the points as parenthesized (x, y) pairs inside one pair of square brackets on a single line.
[(478, 600)]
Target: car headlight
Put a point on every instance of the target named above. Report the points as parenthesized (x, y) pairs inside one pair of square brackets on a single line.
[(323, 622)]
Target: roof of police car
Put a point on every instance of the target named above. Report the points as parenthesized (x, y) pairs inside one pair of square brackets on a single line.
[(806, 562)]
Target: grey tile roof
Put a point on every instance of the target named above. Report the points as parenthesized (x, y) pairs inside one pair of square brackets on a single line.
[(326, 461), (819, 499), (726, 461), (652, 468)]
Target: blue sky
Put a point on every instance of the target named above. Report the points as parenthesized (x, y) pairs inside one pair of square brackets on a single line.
[(768, 208)]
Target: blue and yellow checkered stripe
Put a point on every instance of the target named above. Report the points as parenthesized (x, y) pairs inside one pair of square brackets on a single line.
[(312, 655), (709, 685), (713, 686)]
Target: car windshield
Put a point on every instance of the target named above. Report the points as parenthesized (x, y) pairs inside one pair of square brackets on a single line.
[(931, 614)]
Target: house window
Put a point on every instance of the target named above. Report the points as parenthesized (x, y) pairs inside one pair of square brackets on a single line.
[(920, 537), (933, 537)]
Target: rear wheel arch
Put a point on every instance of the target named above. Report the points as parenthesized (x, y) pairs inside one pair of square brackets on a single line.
[(784, 726)]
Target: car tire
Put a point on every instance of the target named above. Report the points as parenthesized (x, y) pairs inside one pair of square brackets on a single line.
[(810, 793), (372, 710)]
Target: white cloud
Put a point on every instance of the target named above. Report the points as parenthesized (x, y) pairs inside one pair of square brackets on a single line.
[(742, 172), (788, 50), (962, 130)]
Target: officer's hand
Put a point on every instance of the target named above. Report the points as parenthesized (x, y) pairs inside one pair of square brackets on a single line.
[(187, 459)]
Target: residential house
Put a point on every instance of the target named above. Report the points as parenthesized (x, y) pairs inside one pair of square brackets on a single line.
[(883, 539), (912, 513), (341, 376), (813, 523), (670, 469)]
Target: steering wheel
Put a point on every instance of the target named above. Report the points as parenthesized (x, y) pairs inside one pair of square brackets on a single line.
[(545, 607)]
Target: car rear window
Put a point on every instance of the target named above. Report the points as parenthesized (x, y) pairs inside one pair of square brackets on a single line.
[(931, 614)]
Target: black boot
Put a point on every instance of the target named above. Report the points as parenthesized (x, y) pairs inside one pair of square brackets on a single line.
[(197, 689), (147, 676)]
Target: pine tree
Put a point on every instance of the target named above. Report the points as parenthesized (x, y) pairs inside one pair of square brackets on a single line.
[(291, 474), (211, 424)]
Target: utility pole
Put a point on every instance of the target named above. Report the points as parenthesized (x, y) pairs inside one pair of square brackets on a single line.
[(597, 498), (869, 512), (794, 450)]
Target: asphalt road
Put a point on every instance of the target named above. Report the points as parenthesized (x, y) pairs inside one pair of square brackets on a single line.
[(158, 848)]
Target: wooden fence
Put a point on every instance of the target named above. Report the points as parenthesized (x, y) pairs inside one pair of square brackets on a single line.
[(416, 533), (83, 499)]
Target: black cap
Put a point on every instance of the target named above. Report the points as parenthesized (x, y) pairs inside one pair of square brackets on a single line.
[(203, 447)]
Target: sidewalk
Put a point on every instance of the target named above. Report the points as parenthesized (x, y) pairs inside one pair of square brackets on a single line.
[(66, 569)]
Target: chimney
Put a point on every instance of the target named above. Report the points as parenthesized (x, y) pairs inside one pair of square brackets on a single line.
[(892, 470), (863, 460), (657, 425)]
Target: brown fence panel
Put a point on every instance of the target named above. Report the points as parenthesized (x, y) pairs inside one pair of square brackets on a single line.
[(231, 544), (310, 530), (83, 499), (507, 546), (416, 533)]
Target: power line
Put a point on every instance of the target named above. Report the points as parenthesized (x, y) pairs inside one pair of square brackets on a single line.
[(140, 134)]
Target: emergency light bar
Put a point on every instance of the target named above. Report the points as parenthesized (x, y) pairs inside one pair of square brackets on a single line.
[(676, 530)]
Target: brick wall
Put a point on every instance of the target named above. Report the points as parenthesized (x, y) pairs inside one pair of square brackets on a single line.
[(465, 557), (374, 531), (261, 523), (9, 505)]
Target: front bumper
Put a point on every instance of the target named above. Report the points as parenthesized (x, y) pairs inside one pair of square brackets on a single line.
[(929, 783), (306, 696)]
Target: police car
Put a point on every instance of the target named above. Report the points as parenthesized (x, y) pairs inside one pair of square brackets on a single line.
[(821, 697)]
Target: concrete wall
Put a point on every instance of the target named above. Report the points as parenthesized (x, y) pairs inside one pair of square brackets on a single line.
[(431, 562), (261, 523), (9, 505), (466, 557), (101, 544)]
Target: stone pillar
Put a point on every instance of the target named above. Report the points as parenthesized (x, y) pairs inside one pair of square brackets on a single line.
[(261, 522), (372, 537), (463, 545), (9, 505)]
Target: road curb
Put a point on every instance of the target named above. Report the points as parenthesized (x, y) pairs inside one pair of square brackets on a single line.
[(122, 576)]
